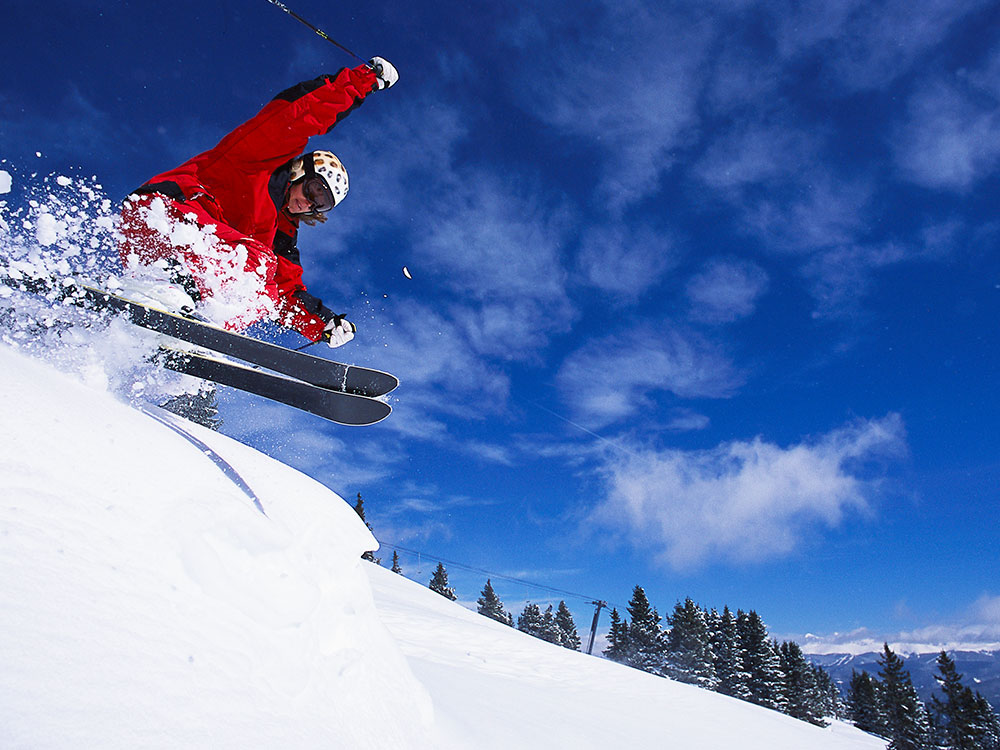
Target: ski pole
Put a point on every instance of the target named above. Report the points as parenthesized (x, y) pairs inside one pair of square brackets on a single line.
[(321, 33)]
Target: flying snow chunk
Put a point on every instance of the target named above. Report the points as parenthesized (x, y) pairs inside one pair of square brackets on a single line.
[(49, 229), (64, 181), (406, 272), (38, 154), (5, 182)]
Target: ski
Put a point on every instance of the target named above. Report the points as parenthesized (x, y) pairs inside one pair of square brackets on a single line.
[(321, 372), (334, 405)]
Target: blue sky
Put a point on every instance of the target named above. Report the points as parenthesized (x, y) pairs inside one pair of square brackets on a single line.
[(704, 295)]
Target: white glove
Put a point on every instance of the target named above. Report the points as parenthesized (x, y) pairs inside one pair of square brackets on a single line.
[(384, 71), (338, 331)]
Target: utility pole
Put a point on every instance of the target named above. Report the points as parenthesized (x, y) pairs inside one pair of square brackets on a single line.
[(593, 625)]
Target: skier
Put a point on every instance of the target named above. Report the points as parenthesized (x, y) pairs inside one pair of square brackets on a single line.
[(223, 225)]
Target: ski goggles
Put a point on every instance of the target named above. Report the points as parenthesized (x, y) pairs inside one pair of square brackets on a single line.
[(318, 193)]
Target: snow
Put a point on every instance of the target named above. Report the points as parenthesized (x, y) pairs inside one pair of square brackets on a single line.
[(146, 602), (5, 182), (49, 229)]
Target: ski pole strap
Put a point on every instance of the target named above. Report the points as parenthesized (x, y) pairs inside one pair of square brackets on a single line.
[(320, 32)]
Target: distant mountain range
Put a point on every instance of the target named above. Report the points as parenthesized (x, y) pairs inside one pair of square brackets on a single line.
[(980, 670)]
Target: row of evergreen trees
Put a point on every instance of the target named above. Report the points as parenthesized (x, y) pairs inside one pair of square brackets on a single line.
[(888, 706), (734, 655), (555, 627), (731, 654)]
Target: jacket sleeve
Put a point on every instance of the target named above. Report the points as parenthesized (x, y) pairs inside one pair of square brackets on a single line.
[(296, 308), (282, 129)]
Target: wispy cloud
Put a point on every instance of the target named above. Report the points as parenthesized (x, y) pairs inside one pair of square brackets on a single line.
[(742, 501), (644, 62), (418, 512), (308, 444), (725, 290), (614, 377), (824, 212), (865, 45), (757, 150), (498, 243), (950, 138), (686, 420), (840, 277), (625, 261)]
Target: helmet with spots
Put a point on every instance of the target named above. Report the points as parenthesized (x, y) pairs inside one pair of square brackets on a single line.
[(325, 165)]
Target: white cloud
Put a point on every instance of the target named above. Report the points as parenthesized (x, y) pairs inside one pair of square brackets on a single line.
[(742, 501), (440, 371), (498, 243), (840, 277), (686, 420), (866, 45), (418, 512), (759, 151), (951, 137), (826, 212), (623, 260), (977, 628), (308, 443), (726, 290), (631, 90), (614, 377)]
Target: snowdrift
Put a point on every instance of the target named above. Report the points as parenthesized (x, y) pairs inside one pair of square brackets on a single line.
[(146, 601)]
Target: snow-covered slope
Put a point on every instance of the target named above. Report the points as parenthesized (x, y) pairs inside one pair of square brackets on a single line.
[(146, 602), (494, 687)]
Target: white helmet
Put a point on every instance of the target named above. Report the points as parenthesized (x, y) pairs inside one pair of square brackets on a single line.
[(326, 165)]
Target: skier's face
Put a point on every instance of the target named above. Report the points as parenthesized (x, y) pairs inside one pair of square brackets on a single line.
[(297, 202), (311, 195)]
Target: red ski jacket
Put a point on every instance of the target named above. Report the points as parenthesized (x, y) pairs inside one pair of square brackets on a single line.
[(243, 181)]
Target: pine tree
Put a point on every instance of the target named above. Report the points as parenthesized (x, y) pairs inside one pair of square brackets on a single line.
[(201, 407), (986, 724), (396, 567), (965, 720), (864, 704), (760, 662), (491, 606), (906, 720), (728, 656), (618, 648), (439, 583), (530, 620), (828, 695), (359, 508), (801, 691), (550, 631), (953, 713), (689, 652), (647, 644), (568, 637)]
